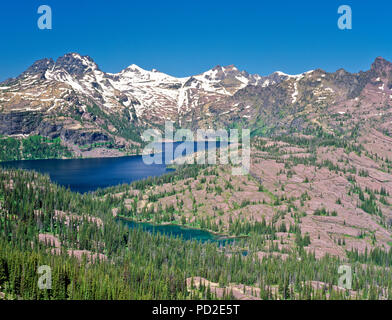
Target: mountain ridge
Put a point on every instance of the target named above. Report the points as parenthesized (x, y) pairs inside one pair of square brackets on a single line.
[(72, 98)]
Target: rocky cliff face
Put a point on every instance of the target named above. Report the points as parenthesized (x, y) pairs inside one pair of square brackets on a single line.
[(19, 123)]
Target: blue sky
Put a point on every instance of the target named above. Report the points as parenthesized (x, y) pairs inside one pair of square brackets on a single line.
[(187, 37)]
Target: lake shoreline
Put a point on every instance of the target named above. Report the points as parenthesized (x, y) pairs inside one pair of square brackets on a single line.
[(222, 236), (90, 174), (106, 156)]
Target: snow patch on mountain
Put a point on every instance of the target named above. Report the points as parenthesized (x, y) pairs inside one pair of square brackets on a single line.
[(151, 93)]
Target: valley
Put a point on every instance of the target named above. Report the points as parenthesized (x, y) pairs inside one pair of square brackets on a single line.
[(317, 195)]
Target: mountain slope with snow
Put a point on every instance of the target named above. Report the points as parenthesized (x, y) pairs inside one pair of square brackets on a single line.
[(150, 95), (72, 98)]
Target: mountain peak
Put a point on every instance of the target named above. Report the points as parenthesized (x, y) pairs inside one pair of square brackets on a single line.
[(134, 67), (39, 67), (230, 67), (76, 64), (217, 68), (381, 64)]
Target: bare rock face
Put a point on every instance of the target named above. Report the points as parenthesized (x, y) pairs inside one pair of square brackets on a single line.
[(16, 123), (83, 138), (75, 65), (38, 68)]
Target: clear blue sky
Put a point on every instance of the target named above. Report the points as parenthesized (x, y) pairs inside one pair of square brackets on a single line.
[(183, 37)]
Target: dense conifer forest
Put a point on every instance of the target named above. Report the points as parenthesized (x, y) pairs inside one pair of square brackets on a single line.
[(134, 264), (33, 147)]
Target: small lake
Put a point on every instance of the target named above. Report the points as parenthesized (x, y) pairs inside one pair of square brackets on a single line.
[(179, 231), (84, 175)]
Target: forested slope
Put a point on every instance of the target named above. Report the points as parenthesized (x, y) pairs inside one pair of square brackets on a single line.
[(137, 265)]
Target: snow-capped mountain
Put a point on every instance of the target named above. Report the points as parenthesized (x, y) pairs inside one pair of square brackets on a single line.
[(151, 94), (73, 99)]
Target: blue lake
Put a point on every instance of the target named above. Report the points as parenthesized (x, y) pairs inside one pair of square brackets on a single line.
[(83, 175), (180, 232)]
